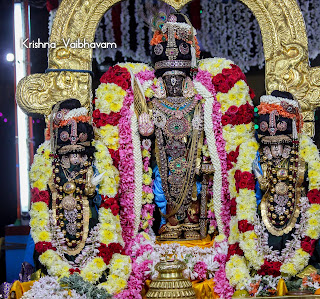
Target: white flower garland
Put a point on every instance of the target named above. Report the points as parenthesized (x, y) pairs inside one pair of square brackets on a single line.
[(76, 113), (105, 35), (49, 287), (125, 30), (140, 53), (137, 169), (208, 128)]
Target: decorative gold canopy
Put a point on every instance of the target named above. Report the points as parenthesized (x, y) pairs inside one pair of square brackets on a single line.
[(284, 40)]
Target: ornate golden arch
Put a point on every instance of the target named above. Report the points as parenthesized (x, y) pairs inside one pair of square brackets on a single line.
[(284, 40)]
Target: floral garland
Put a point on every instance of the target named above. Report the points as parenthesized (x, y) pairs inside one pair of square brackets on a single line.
[(113, 103), (146, 79), (205, 88), (259, 286), (233, 129), (141, 262), (311, 282), (147, 193), (49, 287), (134, 196), (233, 134)]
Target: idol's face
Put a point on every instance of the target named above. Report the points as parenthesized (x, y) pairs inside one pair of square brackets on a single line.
[(276, 150), (75, 158), (174, 85)]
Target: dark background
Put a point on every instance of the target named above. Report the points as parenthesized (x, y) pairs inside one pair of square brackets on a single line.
[(39, 28), (8, 186)]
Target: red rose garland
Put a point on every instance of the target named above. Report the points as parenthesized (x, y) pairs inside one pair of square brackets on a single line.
[(237, 116), (111, 203), (103, 119), (314, 196), (245, 226), (270, 268), (106, 252), (232, 158), (42, 247), (37, 195), (117, 75), (234, 249), (228, 78), (244, 180)]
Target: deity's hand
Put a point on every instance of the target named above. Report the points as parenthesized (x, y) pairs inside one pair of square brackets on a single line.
[(256, 168), (92, 182), (146, 125)]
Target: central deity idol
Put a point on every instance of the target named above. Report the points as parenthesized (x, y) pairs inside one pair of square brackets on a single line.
[(178, 120), (174, 118)]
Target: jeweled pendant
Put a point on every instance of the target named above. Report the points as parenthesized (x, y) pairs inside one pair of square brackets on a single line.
[(69, 203), (282, 174), (69, 187), (177, 128), (281, 188)]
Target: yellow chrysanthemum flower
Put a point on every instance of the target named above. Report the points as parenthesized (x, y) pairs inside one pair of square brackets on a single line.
[(46, 258), (314, 208), (146, 179), (288, 268), (107, 237), (107, 226), (312, 233), (99, 263), (313, 222), (39, 206), (145, 153), (40, 185), (44, 236)]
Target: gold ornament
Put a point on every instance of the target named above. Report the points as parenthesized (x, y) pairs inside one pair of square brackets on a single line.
[(69, 203), (69, 187), (307, 272), (170, 282), (281, 188)]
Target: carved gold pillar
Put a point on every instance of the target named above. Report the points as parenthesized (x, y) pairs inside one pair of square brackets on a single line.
[(284, 40)]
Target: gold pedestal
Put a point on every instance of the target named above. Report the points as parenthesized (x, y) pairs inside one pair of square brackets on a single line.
[(171, 283)]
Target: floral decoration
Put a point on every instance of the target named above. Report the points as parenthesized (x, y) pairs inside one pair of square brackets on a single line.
[(232, 115), (295, 256), (234, 99)]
